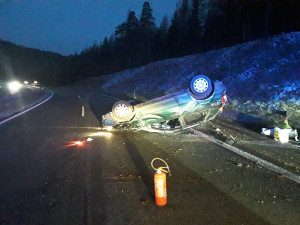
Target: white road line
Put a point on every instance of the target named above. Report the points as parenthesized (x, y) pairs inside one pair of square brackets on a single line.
[(27, 110), (271, 145), (251, 157), (82, 111)]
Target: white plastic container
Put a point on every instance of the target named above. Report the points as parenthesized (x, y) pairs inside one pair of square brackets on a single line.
[(282, 135), (267, 132)]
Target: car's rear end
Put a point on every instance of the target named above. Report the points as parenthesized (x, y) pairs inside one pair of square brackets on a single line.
[(206, 109)]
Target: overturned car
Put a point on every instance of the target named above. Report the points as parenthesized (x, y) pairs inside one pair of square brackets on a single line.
[(201, 102)]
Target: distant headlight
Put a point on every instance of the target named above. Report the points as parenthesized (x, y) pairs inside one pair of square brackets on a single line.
[(14, 86)]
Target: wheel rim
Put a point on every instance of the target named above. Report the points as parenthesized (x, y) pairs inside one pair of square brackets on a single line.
[(200, 85), (121, 110)]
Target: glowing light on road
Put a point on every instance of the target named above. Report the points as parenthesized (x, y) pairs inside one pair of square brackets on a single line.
[(76, 143), (109, 128), (25, 82), (14, 86), (79, 143), (101, 133)]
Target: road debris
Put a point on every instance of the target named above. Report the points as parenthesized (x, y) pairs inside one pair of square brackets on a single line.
[(125, 177), (89, 139), (281, 134), (144, 202), (230, 140), (217, 130)]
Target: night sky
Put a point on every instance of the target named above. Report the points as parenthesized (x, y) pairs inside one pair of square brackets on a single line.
[(67, 26)]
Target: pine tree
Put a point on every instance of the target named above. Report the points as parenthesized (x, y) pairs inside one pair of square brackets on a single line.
[(194, 27), (120, 30), (184, 16), (174, 36), (183, 38), (164, 25), (214, 25), (147, 29), (160, 43), (284, 16), (203, 12), (147, 21), (178, 43), (132, 23), (231, 25), (132, 40)]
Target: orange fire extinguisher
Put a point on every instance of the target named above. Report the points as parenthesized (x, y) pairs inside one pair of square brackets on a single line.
[(160, 183)]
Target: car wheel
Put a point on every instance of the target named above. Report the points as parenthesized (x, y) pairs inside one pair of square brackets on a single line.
[(201, 87), (122, 111)]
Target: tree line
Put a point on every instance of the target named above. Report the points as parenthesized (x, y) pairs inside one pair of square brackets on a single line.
[(196, 26)]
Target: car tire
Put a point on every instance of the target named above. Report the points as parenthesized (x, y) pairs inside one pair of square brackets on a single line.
[(201, 87), (122, 111)]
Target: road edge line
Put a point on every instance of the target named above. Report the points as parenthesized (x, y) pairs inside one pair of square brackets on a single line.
[(262, 162), (26, 110)]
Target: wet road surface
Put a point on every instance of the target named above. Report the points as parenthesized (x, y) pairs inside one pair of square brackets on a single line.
[(46, 179)]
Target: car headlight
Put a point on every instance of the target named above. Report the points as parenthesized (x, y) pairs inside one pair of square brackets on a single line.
[(14, 86)]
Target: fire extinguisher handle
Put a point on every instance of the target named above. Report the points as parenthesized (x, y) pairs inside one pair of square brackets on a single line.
[(165, 169)]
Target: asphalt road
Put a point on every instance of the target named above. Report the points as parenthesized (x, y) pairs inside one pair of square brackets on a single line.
[(46, 179)]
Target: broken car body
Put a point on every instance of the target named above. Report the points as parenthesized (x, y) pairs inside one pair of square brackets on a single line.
[(199, 103)]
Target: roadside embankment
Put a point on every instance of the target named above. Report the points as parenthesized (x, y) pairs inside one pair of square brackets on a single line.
[(261, 78)]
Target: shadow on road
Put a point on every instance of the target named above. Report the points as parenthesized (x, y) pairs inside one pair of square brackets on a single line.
[(251, 122), (98, 104), (140, 165)]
